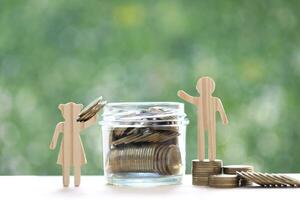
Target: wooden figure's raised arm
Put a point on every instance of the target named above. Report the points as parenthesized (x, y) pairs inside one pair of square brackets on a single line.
[(221, 110), (58, 129), (183, 95)]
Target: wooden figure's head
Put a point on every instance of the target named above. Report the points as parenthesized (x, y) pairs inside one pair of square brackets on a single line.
[(70, 109), (205, 85)]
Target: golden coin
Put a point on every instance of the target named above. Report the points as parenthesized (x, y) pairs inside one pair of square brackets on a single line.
[(90, 106), (206, 167), (223, 181), (251, 177), (201, 181), (232, 169), (93, 108), (158, 159), (174, 160), (162, 160)]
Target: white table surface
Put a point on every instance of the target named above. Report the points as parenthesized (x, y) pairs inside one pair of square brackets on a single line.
[(94, 187)]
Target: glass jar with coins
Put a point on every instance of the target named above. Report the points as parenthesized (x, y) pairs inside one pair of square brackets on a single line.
[(144, 143)]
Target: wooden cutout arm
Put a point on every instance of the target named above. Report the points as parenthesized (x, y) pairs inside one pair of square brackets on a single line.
[(89, 123), (58, 129), (221, 110), (186, 97)]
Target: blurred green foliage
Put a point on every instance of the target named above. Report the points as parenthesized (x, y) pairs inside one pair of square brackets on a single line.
[(54, 52)]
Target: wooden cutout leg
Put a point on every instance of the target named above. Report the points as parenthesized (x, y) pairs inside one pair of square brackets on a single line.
[(77, 174), (210, 146), (212, 142), (66, 175), (201, 142)]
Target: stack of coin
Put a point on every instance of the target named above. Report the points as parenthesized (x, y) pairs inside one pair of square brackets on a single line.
[(202, 169), (131, 159), (91, 110), (233, 169), (223, 181), (270, 180), (162, 159)]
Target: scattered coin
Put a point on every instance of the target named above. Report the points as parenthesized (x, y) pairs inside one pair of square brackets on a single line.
[(270, 180), (232, 169)]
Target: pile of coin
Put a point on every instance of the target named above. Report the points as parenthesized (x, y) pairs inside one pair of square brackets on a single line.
[(223, 181), (209, 173), (202, 169), (155, 124), (162, 159), (146, 142), (136, 135), (91, 110), (214, 174), (233, 169), (270, 180)]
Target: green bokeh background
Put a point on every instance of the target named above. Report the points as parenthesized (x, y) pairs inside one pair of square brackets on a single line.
[(54, 52)]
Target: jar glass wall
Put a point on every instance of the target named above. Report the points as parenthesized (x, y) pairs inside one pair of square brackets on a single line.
[(144, 143)]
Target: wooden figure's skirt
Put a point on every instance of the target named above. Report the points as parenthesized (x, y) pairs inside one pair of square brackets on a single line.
[(60, 159)]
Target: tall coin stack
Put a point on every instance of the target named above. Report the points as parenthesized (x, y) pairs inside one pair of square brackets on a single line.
[(202, 169)]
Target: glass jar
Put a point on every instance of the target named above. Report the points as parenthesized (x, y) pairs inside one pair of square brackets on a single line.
[(144, 143)]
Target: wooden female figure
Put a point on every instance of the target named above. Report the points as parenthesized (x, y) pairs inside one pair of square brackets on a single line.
[(71, 152)]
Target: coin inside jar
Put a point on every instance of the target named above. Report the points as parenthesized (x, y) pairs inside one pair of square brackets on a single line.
[(144, 142), (174, 160)]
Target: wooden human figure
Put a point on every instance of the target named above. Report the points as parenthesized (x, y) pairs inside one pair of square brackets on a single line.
[(207, 106), (71, 152)]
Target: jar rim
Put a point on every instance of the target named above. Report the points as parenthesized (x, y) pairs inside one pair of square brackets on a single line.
[(120, 123), (118, 112), (145, 103)]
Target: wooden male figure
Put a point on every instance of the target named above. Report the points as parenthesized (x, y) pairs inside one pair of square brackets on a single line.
[(207, 106), (71, 152)]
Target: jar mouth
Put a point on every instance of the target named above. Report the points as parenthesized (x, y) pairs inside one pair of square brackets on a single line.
[(144, 113), (151, 103), (140, 124)]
